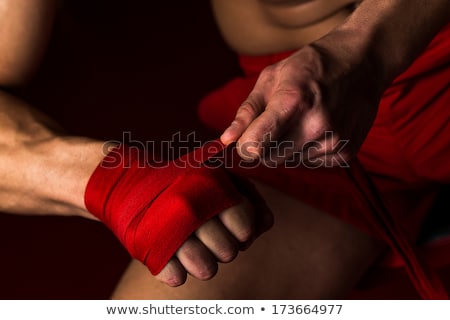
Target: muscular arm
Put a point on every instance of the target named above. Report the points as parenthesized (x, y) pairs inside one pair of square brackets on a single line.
[(335, 83), (45, 172), (396, 31), (41, 171)]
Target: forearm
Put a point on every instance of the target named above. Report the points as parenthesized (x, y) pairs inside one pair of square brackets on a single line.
[(41, 171), (392, 32)]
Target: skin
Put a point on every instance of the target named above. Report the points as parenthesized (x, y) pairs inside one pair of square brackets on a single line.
[(259, 27), (333, 82), (43, 169), (308, 254)]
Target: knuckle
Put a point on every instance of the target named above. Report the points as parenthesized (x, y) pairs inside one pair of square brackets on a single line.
[(228, 254), (172, 275), (207, 271), (269, 71), (248, 108), (283, 113), (244, 234), (289, 99), (175, 281)]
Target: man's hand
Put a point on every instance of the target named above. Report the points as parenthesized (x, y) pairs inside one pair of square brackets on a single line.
[(334, 84), (218, 240), (177, 218), (321, 101)]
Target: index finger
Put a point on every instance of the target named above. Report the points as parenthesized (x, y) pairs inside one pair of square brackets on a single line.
[(270, 125)]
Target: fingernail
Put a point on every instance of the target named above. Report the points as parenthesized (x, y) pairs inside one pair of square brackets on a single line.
[(227, 136)]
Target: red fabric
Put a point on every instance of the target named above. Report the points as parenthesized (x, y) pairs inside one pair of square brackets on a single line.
[(390, 188), (153, 207)]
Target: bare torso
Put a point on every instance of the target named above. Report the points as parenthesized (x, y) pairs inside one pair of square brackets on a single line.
[(265, 26)]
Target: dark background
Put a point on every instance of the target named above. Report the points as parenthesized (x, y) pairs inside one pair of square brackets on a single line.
[(112, 66)]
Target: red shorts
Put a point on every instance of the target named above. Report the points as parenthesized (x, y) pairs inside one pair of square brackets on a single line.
[(406, 155)]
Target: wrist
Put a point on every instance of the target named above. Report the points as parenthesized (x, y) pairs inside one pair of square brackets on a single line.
[(74, 161), (351, 47), (57, 172), (350, 53), (41, 171), (393, 33)]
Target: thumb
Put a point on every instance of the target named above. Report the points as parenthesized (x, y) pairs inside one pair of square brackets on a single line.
[(270, 125)]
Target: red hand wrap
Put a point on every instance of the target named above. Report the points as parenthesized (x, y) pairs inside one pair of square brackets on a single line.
[(152, 208)]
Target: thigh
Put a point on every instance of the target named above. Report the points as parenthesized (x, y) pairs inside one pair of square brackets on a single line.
[(306, 255)]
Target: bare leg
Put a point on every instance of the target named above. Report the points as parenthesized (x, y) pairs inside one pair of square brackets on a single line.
[(307, 255)]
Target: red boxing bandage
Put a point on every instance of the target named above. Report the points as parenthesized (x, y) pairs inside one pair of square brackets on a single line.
[(152, 207)]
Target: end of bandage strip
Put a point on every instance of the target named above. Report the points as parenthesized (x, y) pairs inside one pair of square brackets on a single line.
[(153, 209)]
